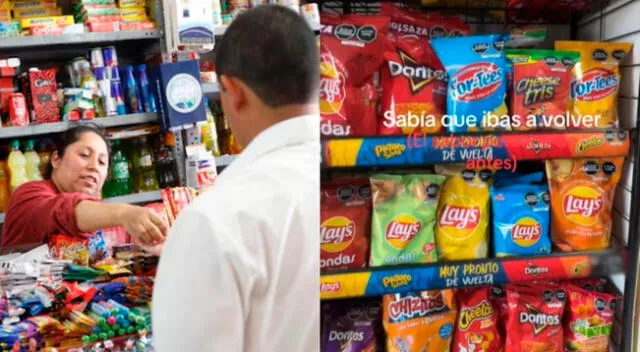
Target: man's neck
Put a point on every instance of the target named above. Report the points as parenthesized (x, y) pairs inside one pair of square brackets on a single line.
[(270, 117)]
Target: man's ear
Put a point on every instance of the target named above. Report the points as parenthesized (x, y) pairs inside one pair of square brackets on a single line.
[(235, 91)]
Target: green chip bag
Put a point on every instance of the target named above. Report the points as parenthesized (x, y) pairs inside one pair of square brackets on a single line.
[(404, 217)]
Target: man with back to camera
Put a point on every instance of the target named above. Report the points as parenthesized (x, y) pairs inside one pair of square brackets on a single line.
[(239, 270)]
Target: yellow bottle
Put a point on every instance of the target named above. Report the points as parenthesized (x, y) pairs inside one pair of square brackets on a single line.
[(17, 167), (33, 162), (4, 187)]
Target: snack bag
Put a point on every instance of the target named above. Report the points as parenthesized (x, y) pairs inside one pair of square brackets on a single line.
[(463, 214), (582, 193), (477, 323), (527, 36), (351, 49), (535, 318), (404, 215), (589, 319), (541, 87), (345, 223), (419, 321), (65, 247), (351, 326), (597, 81), (498, 295), (477, 82), (524, 229), (590, 284)]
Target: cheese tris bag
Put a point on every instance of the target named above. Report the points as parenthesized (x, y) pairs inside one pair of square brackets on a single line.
[(477, 82), (597, 80), (477, 324), (404, 216), (588, 320), (463, 214), (345, 222), (419, 321), (582, 193), (351, 49), (414, 82), (351, 326)]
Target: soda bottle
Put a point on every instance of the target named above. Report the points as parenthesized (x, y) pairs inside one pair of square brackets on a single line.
[(166, 162), (118, 182), (17, 166), (33, 162), (145, 167), (4, 187), (46, 148)]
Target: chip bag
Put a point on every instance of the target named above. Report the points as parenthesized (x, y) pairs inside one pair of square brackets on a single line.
[(582, 193), (591, 284), (477, 82), (404, 215), (597, 81), (345, 223), (589, 320), (419, 321), (351, 326), (535, 318), (524, 229), (463, 214), (541, 87), (499, 300), (351, 49), (477, 324)]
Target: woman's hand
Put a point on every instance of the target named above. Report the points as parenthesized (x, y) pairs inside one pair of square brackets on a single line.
[(144, 224)]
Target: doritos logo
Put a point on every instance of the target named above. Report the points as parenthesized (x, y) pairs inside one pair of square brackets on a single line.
[(460, 217), (337, 234), (419, 76), (583, 202), (538, 320), (467, 316), (402, 230), (416, 307), (596, 84), (332, 85), (526, 232), (476, 82)]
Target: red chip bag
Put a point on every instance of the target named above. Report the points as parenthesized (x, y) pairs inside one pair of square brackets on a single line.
[(535, 318), (500, 304), (477, 323), (407, 23), (589, 319), (590, 284), (351, 49), (345, 224)]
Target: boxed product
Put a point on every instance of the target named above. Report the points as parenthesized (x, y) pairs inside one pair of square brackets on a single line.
[(9, 29), (201, 167), (134, 14), (21, 5), (37, 12), (130, 3), (47, 21), (42, 96)]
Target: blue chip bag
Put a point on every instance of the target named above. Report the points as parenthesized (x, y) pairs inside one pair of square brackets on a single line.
[(520, 217), (476, 66)]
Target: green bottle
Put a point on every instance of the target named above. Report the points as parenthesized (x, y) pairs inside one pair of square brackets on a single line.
[(118, 182)]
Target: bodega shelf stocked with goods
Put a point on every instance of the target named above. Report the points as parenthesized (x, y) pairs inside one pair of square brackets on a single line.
[(479, 187)]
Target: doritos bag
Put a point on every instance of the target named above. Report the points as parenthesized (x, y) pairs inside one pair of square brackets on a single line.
[(597, 81), (419, 321), (535, 318), (477, 82), (477, 324), (345, 222), (591, 284), (351, 49), (463, 214), (582, 193), (589, 319), (351, 326), (404, 216), (541, 87)]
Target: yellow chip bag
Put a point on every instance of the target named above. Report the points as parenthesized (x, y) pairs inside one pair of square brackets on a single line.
[(419, 321), (463, 214), (597, 80)]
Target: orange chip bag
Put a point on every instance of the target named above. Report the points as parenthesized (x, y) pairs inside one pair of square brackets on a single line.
[(582, 193), (419, 321), (463, 214)]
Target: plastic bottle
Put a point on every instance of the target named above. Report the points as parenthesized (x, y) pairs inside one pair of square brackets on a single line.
[(134, 103), (46, 149), (17, 166), (209, 132), (4, 187), (148, 99), (33, 162), (145, 167), (89, 81), (118, 182), (166, 162)]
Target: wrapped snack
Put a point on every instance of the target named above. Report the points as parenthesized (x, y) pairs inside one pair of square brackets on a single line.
[(351, 326)]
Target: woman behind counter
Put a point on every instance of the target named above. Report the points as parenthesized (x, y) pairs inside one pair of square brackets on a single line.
[(68, 200)]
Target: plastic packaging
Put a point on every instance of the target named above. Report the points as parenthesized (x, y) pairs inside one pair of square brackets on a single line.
[(32, 165), (17, 165), (148, 98)]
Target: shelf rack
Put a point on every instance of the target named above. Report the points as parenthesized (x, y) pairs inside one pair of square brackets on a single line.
[(13, 43)]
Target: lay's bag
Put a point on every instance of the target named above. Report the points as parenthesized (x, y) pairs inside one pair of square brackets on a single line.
[(524, 229), (477, 82), (597, 81), (419, 321), (463, 214), (582, 193), (404, 216)]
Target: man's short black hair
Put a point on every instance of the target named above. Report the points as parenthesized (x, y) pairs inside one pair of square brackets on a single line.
[(273, 50)]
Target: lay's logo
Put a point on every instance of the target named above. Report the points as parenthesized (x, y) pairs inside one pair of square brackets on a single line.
[(460, 217), (476, 82), (582, 205), (332, 85), (337, 234), (402, 230), (416, 307), (526, 232), (467, 316), (596, 84)]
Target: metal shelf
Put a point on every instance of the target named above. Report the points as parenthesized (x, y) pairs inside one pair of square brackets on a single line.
[(73, 39), (136, 198), (56, 127)]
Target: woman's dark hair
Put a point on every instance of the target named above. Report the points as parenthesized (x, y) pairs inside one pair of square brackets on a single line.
[(71, 136)]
